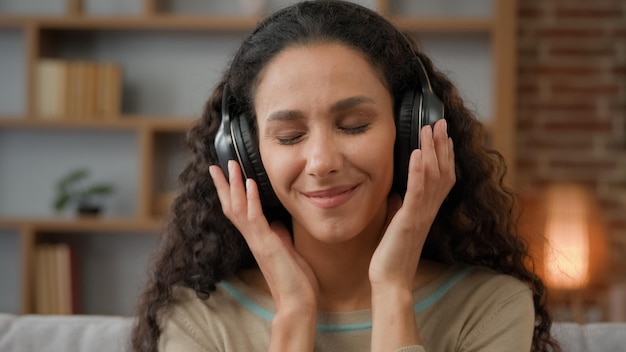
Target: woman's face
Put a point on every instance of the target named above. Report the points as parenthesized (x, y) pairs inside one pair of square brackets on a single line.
[(326, 138)]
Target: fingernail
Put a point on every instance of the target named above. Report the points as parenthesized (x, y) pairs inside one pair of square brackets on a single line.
[(430, 131), (231, 166)]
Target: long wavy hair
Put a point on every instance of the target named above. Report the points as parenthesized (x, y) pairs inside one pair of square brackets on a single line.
[(476, 225)]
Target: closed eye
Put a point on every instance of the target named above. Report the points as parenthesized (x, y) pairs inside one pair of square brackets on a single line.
[(289, 139), (355, 129)]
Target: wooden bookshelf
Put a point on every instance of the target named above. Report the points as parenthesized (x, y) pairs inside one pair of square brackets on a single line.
[(31, 230), (124, 122), (86, 225), (43, 34), (156, 22), (444, 25), (223, 23)]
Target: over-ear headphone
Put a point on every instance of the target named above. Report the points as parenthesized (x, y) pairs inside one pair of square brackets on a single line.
[(237, 140), (416, 109)]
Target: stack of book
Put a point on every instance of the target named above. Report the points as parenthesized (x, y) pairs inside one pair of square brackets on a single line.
[(78, 89), (56, 281)]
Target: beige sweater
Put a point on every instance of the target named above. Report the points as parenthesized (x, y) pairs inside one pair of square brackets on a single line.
[(465, 309)]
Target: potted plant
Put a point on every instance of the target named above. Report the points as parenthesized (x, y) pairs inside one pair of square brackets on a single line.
[(74, 189)]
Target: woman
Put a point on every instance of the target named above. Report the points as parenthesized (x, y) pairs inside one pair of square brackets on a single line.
[(329, 230)]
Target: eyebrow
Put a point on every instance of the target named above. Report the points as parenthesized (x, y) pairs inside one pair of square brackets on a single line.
[(349, 103), (341, 105)]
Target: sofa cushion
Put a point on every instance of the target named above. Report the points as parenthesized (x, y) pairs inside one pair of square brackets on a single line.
[(77, 333), (64, 333), (591, 337)]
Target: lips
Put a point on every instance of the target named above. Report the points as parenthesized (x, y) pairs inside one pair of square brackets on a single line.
[(331, 197)]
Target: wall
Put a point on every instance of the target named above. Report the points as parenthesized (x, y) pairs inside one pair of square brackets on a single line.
[(572, 107), (165, 73)]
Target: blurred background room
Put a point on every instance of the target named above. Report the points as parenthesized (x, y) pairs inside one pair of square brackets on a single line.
[(96, 96)]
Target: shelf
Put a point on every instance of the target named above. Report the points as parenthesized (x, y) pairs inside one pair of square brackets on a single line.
[(157, 123), (157, 22), (146, 44), (452, 25), (12, 22), (222, 23), (82, 225)]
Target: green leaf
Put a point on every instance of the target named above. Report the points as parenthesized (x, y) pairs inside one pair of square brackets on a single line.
[(72, 188), (98, 189), (62, 201), (73, 177)]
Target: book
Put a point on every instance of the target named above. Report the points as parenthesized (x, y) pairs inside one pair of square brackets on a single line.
[(91, 85), (51, 88), (109, 90), (56, 279), (42, 305), (63, 278), (78, 90), (72, 90)]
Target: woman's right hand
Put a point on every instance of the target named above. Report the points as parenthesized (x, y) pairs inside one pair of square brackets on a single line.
[(290, 279)]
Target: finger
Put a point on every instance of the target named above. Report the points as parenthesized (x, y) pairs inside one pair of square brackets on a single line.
[(415, 182), (429, 155), (255, 218), (221, 186), (451, 161), (441, 145), (255, 210), (237, 190)]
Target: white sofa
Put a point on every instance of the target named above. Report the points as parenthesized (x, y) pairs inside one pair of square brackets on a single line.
[(38, 333), (64, 333)]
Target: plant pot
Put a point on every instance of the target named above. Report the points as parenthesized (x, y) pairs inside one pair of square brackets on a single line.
[(88, 210)]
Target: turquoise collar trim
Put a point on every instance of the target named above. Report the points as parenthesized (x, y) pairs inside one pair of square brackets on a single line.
[(419, 306)]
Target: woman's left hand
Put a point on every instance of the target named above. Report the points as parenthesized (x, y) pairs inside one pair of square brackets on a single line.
[(394, 263), (431, 177)]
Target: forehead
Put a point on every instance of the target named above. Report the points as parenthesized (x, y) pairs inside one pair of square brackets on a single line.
[(316, 65), (303, 58), (315, 81)]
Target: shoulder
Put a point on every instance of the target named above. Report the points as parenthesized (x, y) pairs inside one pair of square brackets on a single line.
[(473, 292), (501, 310), (208, 324), (189, 321), (494, 306), (489, 280), (479, 309), (489, 289), (225, 304), (465, 280), (470, 292)]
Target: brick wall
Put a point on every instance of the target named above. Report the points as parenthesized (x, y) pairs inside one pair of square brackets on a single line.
[(571, 115)]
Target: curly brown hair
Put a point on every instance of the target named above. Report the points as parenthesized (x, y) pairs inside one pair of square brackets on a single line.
[(476, 225)]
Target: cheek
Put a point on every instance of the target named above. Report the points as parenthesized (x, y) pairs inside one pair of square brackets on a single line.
[(374, 155), (279, 166), (381, 148), (384, 161)]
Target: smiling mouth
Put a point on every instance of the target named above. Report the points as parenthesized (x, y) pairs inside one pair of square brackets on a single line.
[(331, 198)]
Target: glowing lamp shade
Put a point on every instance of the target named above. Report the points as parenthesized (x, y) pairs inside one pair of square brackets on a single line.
[(567, 232)]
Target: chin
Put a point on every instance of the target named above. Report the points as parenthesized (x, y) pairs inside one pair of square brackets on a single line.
[(330, 230)]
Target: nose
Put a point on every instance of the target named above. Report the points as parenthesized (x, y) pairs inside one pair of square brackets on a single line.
[(324, 155)]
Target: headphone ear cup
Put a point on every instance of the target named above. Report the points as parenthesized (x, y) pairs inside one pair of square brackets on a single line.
[(407, 137), (251, 160)]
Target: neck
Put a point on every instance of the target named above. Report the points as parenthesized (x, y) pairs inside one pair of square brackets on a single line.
[(342, 269)]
